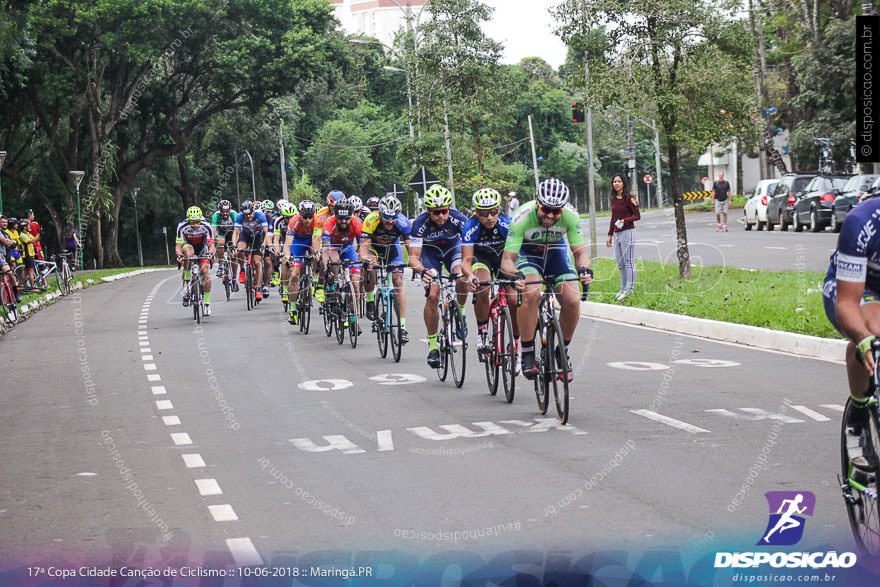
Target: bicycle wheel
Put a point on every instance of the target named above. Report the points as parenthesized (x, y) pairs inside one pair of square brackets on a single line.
[(66, 278), (227, 280), (339, 315), (7, 299), (542, 392), (458, 346), (381, 324), (351, 316), (249, 286), (491, 360), (20, 273), (506, 354), (194, 298), (326, 312), (59, 281), (443, 341), (557, 369), (304, 308), (395, 327), (860, 496)]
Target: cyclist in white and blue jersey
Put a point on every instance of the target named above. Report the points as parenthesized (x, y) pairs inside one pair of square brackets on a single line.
[(851, 298), (250, 232)]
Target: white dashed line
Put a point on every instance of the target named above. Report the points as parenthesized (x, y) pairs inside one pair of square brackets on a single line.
[(208, 487), (144, 342), (180, 438), (154, 377), (150, 367), (669, 421), (811, 414), (243, 552), (193, 461), (835, 407), (171, 420), (222, 513), (164, 404), (777, 248), (146, 350), (158, 390), (147, 358)]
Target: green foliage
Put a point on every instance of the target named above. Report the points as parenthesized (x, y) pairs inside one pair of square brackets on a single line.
[(303, 189)]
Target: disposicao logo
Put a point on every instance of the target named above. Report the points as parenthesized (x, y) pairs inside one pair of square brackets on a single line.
[(787, 511)]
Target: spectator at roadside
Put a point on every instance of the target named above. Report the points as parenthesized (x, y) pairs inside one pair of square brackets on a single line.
[(622, 233), (28, 252), (6, 243), (37, 233), (512, 204), (71, 243), (721, 200)]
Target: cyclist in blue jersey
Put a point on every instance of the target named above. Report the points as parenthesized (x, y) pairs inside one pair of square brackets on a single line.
[(250, 232), (851, 295), (270, 261), (436, 243), (482, 246)]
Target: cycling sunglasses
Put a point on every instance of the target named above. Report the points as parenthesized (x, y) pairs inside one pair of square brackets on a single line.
[(439, 211), (487, 213), (549, 211), (386, 217)]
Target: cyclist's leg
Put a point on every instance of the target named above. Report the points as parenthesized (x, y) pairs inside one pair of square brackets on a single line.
[(297, 251), (431, 260), (560, 264), (219, 249), (870, 308), (369, 280), (396, 258), (350, 254), (481, 270), (258, 259), (452, 260)]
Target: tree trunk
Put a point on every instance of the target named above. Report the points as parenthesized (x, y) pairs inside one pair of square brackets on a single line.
[(684, 256), (475, 127)]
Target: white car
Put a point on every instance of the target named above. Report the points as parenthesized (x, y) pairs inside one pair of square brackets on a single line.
[(755, 210)]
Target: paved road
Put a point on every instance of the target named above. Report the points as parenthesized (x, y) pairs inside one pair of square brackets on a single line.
[(243, 452), (736, 248)]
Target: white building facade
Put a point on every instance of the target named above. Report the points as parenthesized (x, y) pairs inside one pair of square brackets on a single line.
[(379, 19), (725, 160)]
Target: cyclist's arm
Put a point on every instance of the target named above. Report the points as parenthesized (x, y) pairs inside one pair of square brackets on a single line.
[(467, 261), (364, 248), (235, 234), (512, 246), (508, 262), (848, 310), (288, 242), (415, 258)]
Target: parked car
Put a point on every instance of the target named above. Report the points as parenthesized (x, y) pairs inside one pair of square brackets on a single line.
[(781, 205), (813, 206), (872, 192), (755, 210), (850, 195)]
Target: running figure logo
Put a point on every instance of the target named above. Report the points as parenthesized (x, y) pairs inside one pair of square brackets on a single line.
[(786, 525)]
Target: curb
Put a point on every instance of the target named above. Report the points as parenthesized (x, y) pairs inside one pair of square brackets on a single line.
[(35, 305), (813, 347)]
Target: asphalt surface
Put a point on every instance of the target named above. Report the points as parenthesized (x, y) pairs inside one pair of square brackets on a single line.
[(655, 241), (252, 443)]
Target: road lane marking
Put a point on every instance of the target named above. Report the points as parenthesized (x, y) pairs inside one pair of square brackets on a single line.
[(171, 420), (147, 358), (638, 366), (397, 378), (669, 421), (180, 438), (384, 440), (154, 377), (334, 442), (810, 413), (707, 363), (150, 367), (208, 487), (223, 513), (146, 350), (243, 552), (193, 461), (325, 384), (777, 248), (164, 404), (835, 407), (756, 414), (158, 390)]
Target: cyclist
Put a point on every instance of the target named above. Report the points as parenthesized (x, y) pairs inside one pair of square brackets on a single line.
[(223, 224), (373, 203), (6, 243), (317, 237), (26, 241), (195, 237), (436, 243), (297, 244), (279, 236), (36, 231), (482, 245), (269, 259), (357, 206), (850, 296), (339, 239), (251, 230), (536, 245), (382, 234)]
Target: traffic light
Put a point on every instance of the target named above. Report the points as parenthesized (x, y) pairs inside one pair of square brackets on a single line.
[(577, 112)]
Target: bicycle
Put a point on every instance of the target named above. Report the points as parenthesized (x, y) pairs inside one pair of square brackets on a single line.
[(304, 295), (63, 275), (42, 271), (343, 303), (550, 353), (851, 165), (225, 265), (859, 485), (249, 280), (386, 324), (195, 286), (502, 357), (451, 334), (7, 299), (826, 157)]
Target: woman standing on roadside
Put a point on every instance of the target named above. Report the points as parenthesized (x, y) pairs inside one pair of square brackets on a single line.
[(71, 243), (622, 233)]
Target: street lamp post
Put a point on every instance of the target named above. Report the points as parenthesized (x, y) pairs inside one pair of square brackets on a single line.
[(253, 178), (137, 232), (77, 179), (2, 159)]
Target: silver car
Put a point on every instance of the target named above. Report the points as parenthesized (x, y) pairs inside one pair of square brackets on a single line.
[(755, 210)]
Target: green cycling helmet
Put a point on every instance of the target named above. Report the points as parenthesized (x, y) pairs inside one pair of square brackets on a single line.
[(194, 213), (287, 209), (438, 196), (486, 199)]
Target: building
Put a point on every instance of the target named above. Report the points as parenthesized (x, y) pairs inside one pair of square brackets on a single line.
[(725, 160), (379, 19)]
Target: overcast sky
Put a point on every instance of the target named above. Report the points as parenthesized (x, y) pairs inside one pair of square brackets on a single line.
[(525, 27)]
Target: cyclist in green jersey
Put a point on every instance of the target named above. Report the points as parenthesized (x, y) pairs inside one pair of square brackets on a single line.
[(544, 236)]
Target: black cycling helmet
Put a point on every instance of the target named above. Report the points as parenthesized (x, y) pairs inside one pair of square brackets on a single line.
[(247, 207), (224, 206), (343, 210), (373, 203)]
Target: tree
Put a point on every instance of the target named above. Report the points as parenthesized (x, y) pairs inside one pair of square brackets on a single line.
[(659, 56)]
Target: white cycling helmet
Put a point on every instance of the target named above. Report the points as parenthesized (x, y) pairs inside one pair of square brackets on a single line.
[(552, 192), (389, 206)]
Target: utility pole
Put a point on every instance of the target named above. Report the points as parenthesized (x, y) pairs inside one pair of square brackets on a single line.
[(657, 164), (591, 174), (448, 148), (758, 77), (283, 162), (534, 155), (631, 147)]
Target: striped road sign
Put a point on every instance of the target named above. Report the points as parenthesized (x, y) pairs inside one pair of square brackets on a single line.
[(696, 195)]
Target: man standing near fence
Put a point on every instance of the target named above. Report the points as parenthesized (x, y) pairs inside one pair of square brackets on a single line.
[(721, 199)]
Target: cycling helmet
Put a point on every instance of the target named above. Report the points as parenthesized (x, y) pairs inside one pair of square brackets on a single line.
[(486, 199), (287, 209), (343, 210), (365, 211), (438, 196), (281, 201), (389, 206), (224, 206), (267, 205), (373, 203), (334, 197), (355, 202), (194, 213), (553, 193), (247, 207), (307, 208)]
